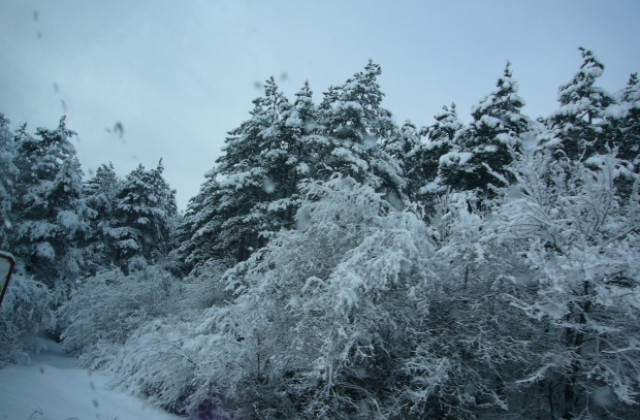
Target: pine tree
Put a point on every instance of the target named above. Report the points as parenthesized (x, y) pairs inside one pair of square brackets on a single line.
[(8, 175), (303, 116), (402, 142), (198, 230), (354, 125), (252, 190), (99, 194), (624, 118), (360, 98), (490, 143), (423, 161), (309, 144), (577, 129), (281, 157), (144, 224), (50, 215)]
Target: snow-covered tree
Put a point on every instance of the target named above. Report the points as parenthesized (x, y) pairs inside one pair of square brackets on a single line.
[(144, 219), (303, 116), (319, 322), (48, 208), (470, 347), (354, 125), (108, 307), (253, 189), (489, 144), (625, 116), (623, 133), (25, 313), (402, 146), (423, 161), (360, 99), (441, 137), (198, 229), (580, 243), (223, 224), (100, 191), (8, 175), (578, 128), (99, 195)]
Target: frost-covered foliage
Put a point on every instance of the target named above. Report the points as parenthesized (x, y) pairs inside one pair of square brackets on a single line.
[(100, 196), (580, 243), (578, 128), (490, 143), (25, 313), (536, 313), (108, 307), (471, 345), (254, 190), (144, 220), (363, 311), (319, 322), (342, 267), (47, 208)]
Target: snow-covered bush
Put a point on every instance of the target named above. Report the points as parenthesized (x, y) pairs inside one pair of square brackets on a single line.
[(176, 365), (470, 345), (173, 360), (581, 244), (25, 313), (353, 314), (103, 312), (535, 308), (319, 322)]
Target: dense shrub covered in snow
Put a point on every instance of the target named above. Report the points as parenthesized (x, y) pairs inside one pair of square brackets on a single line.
[(25, 313), (580, 242), (317, 323), (102, 313)]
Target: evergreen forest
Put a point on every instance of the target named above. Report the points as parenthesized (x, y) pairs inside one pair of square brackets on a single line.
[(336, 264)]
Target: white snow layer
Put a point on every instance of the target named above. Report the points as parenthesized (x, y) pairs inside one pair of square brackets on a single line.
[(53, 387)]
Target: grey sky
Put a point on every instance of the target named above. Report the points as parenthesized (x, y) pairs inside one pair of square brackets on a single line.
[(179, 74)]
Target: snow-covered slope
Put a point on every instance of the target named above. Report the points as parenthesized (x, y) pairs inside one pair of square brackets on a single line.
[(53, 387)]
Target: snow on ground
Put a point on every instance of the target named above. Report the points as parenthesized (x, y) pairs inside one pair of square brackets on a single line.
[(53, 387)]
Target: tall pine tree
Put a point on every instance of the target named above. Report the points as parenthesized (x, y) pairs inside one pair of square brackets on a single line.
[(578, 128), (354, 125), (403, 147), (8, 175), (490, 143), (50, 215), (624, 118), (424, 160), (144, 219), (252, 189), (100, 194)]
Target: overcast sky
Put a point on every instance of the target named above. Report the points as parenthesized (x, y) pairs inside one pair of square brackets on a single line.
[(178, 75)]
